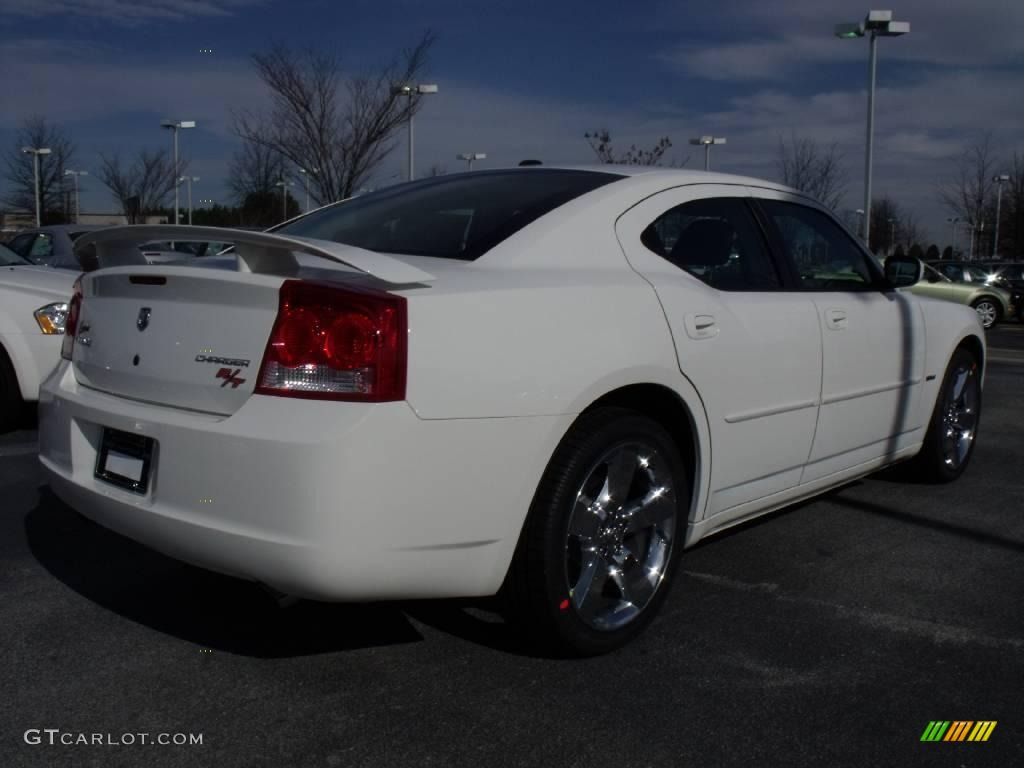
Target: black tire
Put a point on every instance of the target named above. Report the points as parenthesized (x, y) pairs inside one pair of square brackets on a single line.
[(12, 407), (934, 463), (996, 313), (538, 590)]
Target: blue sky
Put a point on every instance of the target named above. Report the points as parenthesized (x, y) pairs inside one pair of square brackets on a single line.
[(527, 79)]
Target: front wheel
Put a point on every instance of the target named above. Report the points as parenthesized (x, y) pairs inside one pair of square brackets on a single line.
[(988, 312), (953, 428), (603, 534)]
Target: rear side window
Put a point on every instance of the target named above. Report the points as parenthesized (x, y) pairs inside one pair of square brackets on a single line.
[(451, 217), (717, 241), (22, 244)]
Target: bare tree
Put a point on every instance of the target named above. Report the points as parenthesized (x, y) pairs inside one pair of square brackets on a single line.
[(1011, 228), (910, 231), (320, 118), (601, 142), (254, 168), (142, 187), (969, 194), (886, 215), (813, 169), (36, 132)]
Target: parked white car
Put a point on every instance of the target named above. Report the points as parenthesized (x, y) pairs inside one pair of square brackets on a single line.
[(546, 380), (33, 307)]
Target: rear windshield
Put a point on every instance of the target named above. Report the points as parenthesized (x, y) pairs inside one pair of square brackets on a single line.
[(9, 258), (451, 217)]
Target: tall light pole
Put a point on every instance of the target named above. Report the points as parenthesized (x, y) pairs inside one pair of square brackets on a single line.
[(707, 142), (999, 201), (410, 90), (305, 175), (469, 157), (892, 235), (284, 197), (36, 152), (174, 126), (878, 24), (953, 222), (78, 208), (188, 180)]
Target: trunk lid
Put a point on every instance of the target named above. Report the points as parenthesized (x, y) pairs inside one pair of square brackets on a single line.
[(180, 337)]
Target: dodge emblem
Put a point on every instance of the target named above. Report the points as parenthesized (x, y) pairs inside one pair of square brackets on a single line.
[(142, 321)]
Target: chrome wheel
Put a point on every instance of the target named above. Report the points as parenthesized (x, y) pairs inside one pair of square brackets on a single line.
[(960, 414), (620, 535), (987, 313)]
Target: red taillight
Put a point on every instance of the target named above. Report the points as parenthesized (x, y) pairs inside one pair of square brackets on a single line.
[(336, 343), (71, 324)]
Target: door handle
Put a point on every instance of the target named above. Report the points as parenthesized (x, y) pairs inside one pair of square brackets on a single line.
[(835, 319), (700, 326)]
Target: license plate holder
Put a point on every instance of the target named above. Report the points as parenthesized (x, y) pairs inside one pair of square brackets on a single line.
[(124, 460)]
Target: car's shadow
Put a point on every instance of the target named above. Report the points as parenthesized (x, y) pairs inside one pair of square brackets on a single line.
[(228, 614)]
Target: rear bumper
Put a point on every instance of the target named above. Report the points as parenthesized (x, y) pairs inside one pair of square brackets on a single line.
[(326, 500)]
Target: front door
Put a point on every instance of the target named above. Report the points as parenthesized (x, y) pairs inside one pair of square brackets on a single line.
[(872, 342)]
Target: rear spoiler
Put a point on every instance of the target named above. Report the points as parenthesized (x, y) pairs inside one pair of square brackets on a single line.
[(256, 251)]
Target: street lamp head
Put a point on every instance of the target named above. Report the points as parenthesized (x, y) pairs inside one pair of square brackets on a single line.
[(472, 156), (187, 124), (1001, 178), (175, 124), (427, 88), (875, 18), (894, 29), (704, 140), (36, 150), (851, 30), (401, 90)]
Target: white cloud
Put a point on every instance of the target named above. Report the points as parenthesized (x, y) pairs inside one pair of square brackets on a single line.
[(125, 12)]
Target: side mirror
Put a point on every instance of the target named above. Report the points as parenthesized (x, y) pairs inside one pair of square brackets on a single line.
[(902, 271)]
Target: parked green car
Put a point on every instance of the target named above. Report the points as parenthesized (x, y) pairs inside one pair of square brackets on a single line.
[(990, 302)]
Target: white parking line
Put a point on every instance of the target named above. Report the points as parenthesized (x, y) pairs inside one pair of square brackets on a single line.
[(18, 449)]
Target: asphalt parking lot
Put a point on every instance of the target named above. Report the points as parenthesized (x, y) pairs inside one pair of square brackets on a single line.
[(828, 634)]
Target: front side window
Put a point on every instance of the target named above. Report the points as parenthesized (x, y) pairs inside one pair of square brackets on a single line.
[(825, 257), (716, 240), (42, 248), (451, 217)]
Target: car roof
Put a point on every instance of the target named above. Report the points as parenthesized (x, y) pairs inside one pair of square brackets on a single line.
[(670, 176)]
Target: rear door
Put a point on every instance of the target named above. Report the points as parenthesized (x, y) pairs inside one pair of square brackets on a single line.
[(751, 347), (872, 340)]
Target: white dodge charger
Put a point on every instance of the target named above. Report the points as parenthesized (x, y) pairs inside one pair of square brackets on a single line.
[(540, 381)]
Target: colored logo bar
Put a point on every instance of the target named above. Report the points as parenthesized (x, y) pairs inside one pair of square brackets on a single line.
[(958, 730)]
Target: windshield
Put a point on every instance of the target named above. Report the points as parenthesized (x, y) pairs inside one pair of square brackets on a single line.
[(451, 217), (9, 258)]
